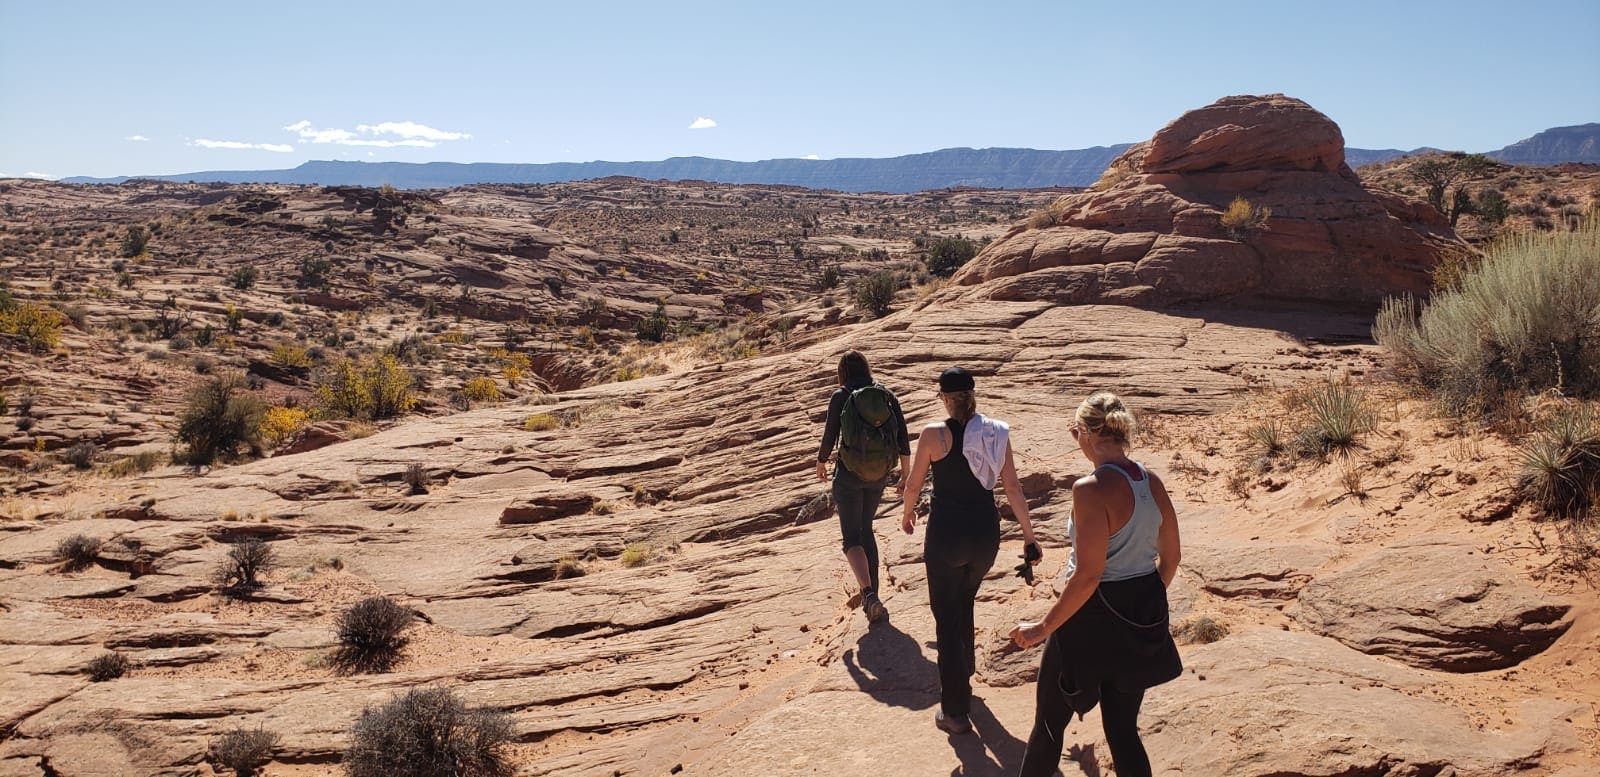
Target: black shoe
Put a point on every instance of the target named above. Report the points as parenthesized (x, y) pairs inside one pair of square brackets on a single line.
[(952, 724), (873, 607)]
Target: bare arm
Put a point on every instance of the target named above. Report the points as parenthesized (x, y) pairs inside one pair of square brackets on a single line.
[(1169, 549), (1089, 518), (919, 473), (1014, 495)]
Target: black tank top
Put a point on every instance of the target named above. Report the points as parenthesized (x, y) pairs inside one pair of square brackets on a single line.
[(959, 500)]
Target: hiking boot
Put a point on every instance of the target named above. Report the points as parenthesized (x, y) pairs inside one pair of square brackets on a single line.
[(873, 607), (951, 724)]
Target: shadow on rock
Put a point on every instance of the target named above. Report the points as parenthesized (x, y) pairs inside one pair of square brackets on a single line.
[(889, 666), (990, 750)]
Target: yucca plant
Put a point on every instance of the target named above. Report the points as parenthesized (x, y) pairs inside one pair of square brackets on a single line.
[(1561, 463)]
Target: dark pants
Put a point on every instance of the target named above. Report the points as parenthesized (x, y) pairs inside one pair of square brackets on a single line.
[(1119, 715), (956, 564), (856, 501)]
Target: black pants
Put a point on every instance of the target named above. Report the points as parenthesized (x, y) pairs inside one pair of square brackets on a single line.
[(856, 501), (956, 563), (1119, 715)]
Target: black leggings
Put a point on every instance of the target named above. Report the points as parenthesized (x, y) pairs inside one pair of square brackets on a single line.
[(856, 503), (956, 564), (1119, 715)]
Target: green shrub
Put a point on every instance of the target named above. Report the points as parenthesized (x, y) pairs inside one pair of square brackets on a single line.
[(653, 328), (1523, 320), (428, 733), (948, 254), (830, 277), (1267, 435), (135, 242), (243, 277), (243, 750), (81, 455), (1493, 206), (219, 420), (1338, 414), (1561, 463), (875, 293)]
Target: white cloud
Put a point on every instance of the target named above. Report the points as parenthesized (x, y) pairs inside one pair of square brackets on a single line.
[(811, 157), (42, 176), (282, 148), (701, 122), (409, 133), (137, 138)]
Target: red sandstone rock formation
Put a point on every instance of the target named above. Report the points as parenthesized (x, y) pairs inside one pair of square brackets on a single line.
[(1151, 232)]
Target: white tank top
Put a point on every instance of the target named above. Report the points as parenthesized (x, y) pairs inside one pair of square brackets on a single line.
[(1131, 551)]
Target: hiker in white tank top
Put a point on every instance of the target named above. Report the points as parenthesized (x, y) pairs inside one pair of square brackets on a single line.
[(1131, 551)]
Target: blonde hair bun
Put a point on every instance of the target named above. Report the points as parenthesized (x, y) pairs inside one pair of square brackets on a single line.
[(1104, 414)]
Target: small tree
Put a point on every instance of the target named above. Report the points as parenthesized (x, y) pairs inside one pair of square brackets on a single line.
[(875, 293), (38, 326), (1493, 206), (241, 569), (219, 420), (135, 242), (374, 388), (948, 254), (1460, 205)]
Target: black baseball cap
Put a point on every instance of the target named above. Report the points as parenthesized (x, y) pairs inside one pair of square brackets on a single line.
[(955, 379)]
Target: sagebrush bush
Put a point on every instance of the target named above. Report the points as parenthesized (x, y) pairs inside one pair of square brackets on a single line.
[(1200, 630), (875, 293), (81, 455), (219, 420), (244, 750), (415, 477), (241, 569), (78, 551), (428, 733), (367, 390), (107, 666), (371, 634), (1526, 319)]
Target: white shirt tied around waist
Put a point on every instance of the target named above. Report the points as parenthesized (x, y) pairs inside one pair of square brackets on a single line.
[(983, 443)]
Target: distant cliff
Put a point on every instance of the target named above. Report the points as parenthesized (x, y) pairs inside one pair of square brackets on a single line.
[(1580, 143)]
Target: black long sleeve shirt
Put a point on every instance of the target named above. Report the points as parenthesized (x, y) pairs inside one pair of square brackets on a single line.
[(830, 435)]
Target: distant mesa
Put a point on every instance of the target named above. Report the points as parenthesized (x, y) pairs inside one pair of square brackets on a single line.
[(1556, 146), (1152, 231)]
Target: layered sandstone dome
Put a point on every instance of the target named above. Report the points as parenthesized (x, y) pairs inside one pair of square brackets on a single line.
[(1151, 232)]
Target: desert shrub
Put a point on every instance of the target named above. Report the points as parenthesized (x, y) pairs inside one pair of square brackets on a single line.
[(81, 455), (370, 389), (140, 462), (636, 554), (481, 389), (875, 293), (1268, 436), (1337, 415), (371, 634), (219, 420), (280, 424), (5, 404), (77, 551), (244, 750), (653, 328), (246, 561), (134, 242), (1243, 219), (568, 567), (1200, 630), (243, 277), (1115, 173), (541, 422), (290, 357), (428, 733), (416, 477), (107, 666), (1561, 462), (948, 254), (38, 326), (1492, 206), (1524, 320), (830, 277)]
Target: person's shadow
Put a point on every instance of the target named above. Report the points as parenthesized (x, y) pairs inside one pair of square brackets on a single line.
[(889, 665)]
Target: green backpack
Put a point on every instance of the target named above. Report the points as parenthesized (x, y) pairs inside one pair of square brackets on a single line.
[(868, 442)]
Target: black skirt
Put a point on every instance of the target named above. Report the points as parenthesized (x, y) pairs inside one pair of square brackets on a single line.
[(1120, 638)]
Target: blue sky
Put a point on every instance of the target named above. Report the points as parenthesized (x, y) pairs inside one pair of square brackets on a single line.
[(118, 88)]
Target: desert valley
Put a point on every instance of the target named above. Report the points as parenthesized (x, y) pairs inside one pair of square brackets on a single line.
[(565, 433)]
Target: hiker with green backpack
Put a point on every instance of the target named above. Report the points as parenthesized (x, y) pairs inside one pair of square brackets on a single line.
[(866, 424)]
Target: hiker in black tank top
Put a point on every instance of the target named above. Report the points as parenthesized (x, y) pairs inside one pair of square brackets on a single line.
[(963, 530)]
